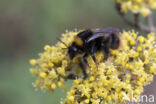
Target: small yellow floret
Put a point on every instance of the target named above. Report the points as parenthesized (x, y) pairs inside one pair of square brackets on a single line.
[(59, 83), (87, 101), (53, 86), (46, 47), (132, 42), (33, 62), (34, 71), (43, 74), (71, 98), (139, 49), (146, 61)]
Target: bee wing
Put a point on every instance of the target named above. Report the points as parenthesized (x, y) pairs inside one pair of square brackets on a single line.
[(107, 30), (97, 35), (102, 33)]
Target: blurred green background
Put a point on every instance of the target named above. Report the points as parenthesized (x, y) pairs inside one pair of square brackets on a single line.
[(27, 25)]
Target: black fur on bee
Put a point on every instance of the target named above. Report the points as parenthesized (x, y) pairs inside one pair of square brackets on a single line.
[(88, 42)]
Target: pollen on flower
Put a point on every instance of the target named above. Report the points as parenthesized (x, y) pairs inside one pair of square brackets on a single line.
[(143, 7), (87, 101), (43, 74), (46, 47), (125, 72), (53, 86), (33, 62), (34, 71), (59, 83), (139, 49)]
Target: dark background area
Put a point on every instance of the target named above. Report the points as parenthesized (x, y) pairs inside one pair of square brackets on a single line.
[(27, 25)]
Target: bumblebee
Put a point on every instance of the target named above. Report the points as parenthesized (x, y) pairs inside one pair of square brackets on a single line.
[(88, 42)]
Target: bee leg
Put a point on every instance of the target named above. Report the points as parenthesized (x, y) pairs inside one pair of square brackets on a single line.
[(93, 50), (94, 59), (83, 67), (106, 53), (85, 60), (96, 62), (72, 76)]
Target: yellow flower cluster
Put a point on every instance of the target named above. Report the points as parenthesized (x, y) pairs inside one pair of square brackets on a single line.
[(54, 65), (117, 79), (137, 6)]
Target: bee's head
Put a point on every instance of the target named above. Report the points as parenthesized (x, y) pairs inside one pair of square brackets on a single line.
[(73, 51)]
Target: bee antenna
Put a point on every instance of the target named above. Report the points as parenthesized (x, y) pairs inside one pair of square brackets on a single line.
[(62, 42)]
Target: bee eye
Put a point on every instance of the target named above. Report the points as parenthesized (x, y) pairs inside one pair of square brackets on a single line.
[(74, 48)]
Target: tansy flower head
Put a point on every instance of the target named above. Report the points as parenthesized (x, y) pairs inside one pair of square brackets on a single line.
[(124, 73)]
